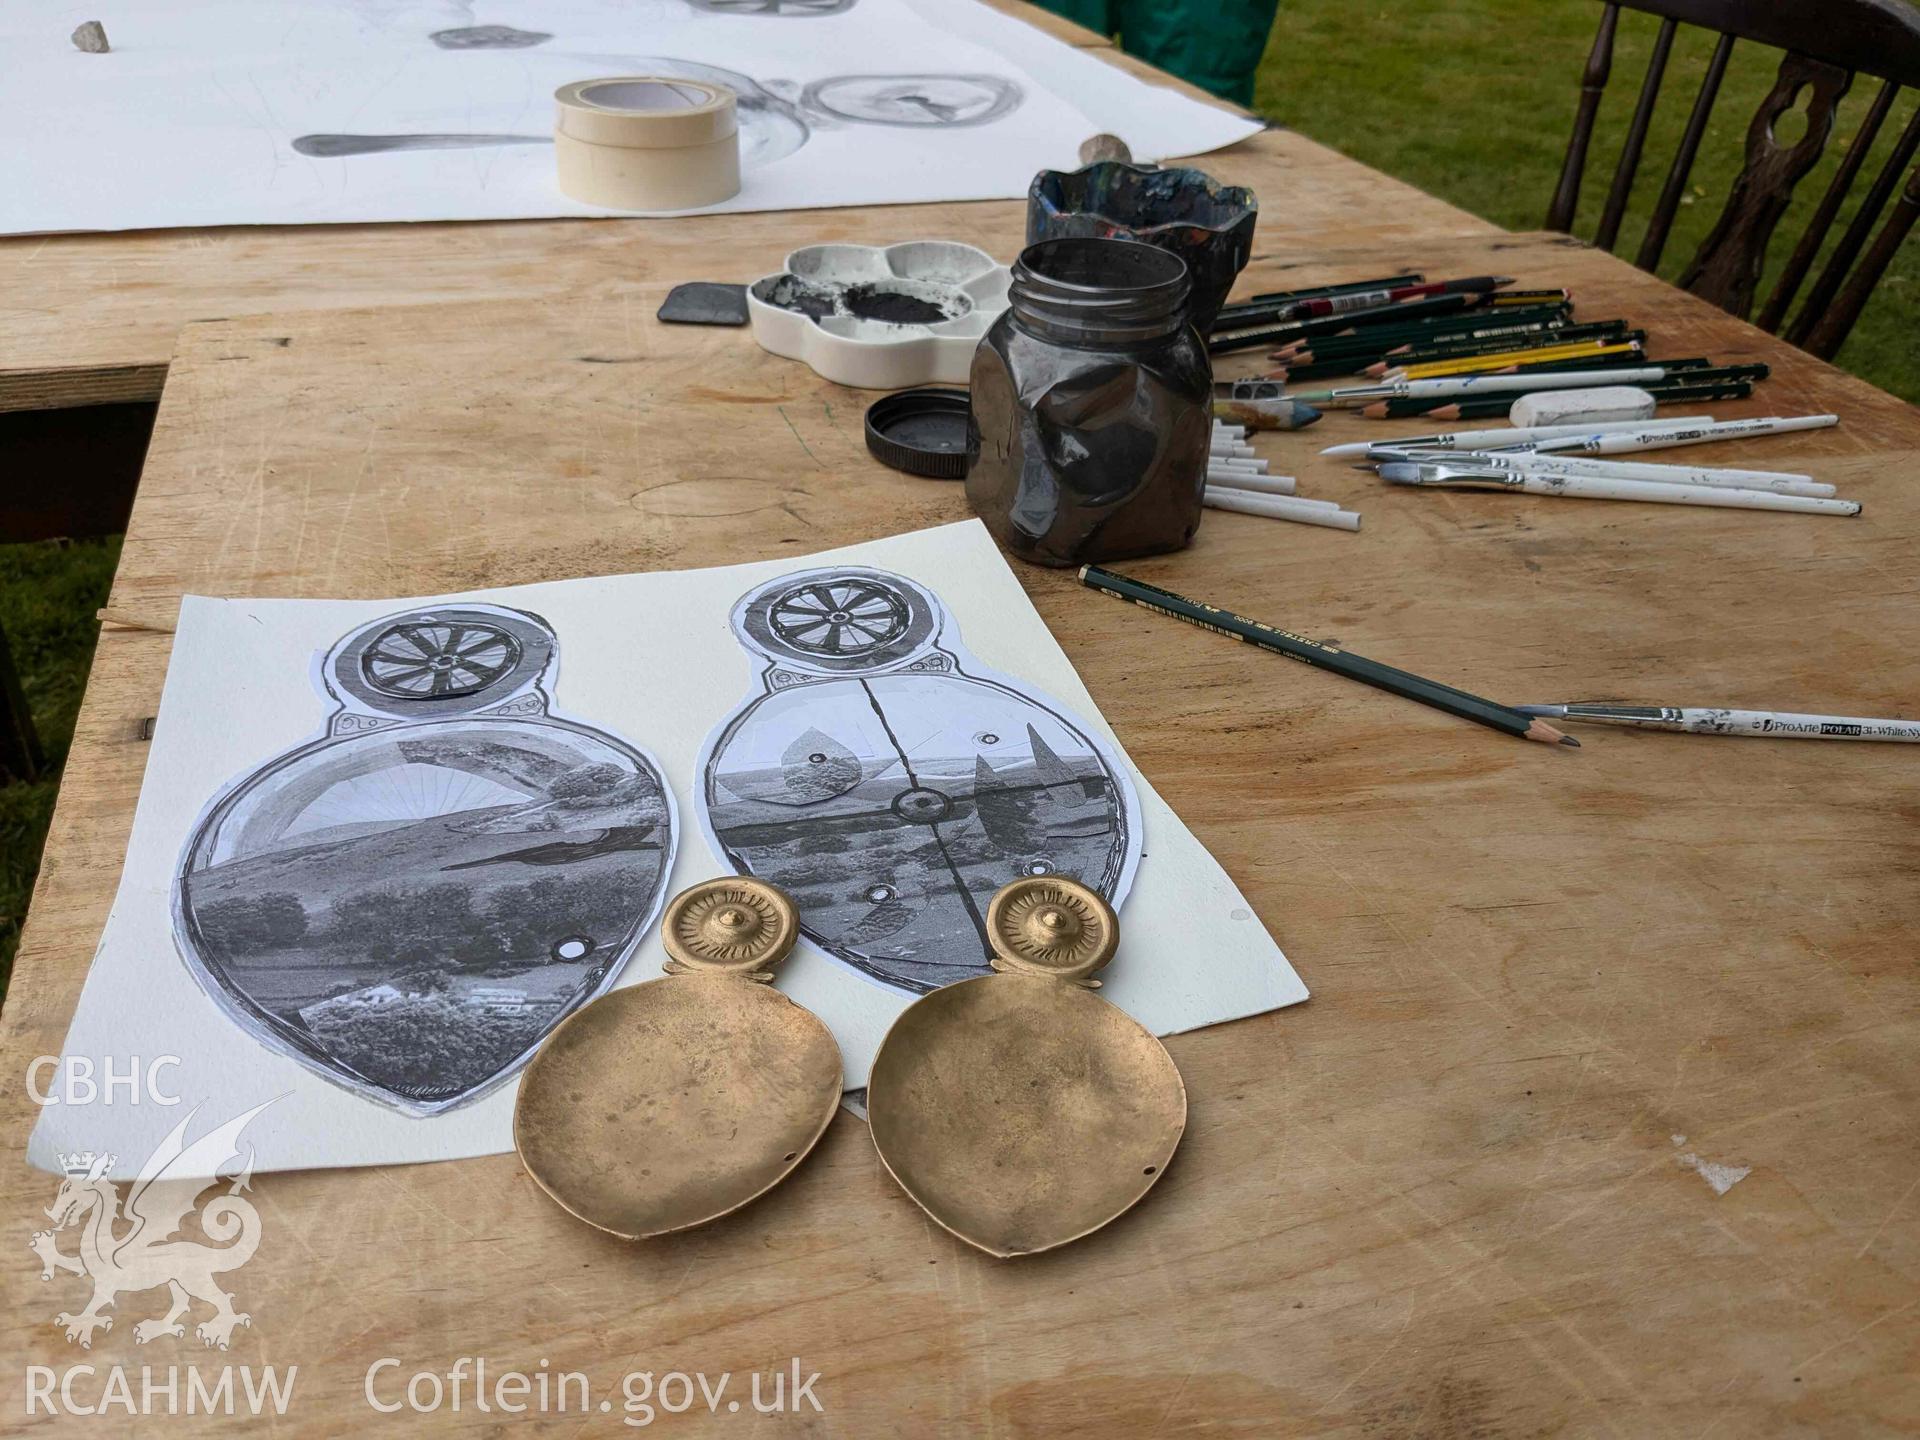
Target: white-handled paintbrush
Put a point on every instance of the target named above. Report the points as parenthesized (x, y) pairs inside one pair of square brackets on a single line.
[(1447, 389), (1531, 463), (1593, 487), (1702, 720), (1510, 435), (1665, 437)]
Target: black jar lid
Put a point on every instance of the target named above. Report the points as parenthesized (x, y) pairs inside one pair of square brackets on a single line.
[(923, 432)]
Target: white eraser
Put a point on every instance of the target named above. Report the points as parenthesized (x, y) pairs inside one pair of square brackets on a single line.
[(1582, 407)]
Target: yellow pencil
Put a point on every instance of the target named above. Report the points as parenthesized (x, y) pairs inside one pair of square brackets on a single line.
[(1552, 350), (1435, 369)]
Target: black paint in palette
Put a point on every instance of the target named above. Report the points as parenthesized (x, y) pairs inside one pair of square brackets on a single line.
[(900, 302)]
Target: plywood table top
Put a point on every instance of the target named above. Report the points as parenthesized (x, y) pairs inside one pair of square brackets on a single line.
[(89, 319), (1603, 1119)]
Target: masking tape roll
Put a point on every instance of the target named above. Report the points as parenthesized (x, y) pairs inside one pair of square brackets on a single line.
[(647, 142)]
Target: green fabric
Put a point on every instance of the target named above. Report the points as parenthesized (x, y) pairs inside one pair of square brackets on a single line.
[(1215, 44)]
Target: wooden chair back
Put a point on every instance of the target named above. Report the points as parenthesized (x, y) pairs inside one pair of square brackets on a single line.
[(1827, 43)]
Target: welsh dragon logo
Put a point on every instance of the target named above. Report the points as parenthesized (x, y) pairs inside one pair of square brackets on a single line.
[(125, 1252)]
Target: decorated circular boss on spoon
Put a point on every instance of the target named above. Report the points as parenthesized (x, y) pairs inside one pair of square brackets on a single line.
[(671, 1103), (1019, 1109)]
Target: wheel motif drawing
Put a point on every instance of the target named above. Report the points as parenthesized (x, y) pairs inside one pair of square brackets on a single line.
[(426, 661), (938, 101), (840, 619)]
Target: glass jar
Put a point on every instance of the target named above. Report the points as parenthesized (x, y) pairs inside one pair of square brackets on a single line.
[(1092, 406)]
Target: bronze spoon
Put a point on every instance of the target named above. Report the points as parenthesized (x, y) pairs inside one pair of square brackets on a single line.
[(671, 1103), (1019, 1109)]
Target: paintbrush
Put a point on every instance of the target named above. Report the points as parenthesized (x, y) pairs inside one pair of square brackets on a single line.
[(1277, 412)]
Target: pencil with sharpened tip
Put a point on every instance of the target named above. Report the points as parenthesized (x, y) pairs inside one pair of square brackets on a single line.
[(1227, 343), (1486, 354), (1703, 720), (1455, 315), (1511, 359), (1544, 336), (1392, 339), (1379, 282), (1441, 315), (1403, 683), (1339, 302), (1322, 305), (1624, 358), (1607, 332)]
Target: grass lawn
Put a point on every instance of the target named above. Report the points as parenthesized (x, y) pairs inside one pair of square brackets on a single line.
[(1473, 100), (49, 592)]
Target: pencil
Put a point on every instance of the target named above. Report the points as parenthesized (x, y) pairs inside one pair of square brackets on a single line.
[(1597, 357), (1389, 322), (1501, 405), (1378, 283), (1222, 344), (1326, 657), (1383, 339), (1339, 300), (1318, 305), (1529, 337), (1373, 360)]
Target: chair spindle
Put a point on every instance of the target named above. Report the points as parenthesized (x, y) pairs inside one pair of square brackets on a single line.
[(1623, 173), (1655, 240), (1834, 325), (1593, 83), (1820, 297)]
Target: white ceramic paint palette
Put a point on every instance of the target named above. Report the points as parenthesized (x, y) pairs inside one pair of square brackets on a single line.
[(881, 317)]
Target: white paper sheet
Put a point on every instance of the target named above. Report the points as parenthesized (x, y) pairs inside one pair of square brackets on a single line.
[(235, 112), (652, 658)]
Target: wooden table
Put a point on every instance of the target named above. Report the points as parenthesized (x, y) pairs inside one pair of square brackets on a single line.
[(1460, 1192), (90, 319)]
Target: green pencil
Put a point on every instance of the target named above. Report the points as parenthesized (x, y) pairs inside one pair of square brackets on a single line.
[(1403, 683)]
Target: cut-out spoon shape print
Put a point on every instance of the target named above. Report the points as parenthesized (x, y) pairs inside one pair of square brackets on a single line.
[(890, 784), (408, 904)]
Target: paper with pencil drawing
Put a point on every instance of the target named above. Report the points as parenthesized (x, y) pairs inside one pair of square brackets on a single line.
[(318, 111), (473, 838)]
